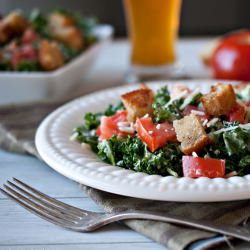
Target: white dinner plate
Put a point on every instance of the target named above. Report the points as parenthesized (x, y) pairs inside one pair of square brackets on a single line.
[(82, 165)]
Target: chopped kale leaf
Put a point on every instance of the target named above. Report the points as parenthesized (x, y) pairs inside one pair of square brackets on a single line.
[(87, 136), (233, 146), (92, 121), (163, 112), (169, 113), (132, 153), (112, 109), (162, 96), (39, 22)]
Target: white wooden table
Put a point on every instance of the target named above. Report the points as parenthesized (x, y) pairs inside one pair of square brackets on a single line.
[(21, 230)]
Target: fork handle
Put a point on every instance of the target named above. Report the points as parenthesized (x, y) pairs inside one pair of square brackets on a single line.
[(239, 232)]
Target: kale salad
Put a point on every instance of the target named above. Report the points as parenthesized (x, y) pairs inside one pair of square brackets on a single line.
[(43, 42), (182, 133)]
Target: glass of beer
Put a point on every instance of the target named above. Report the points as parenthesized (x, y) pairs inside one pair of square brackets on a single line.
[(153, 28)]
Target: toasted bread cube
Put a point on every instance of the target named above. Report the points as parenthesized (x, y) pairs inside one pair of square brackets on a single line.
[(15, 21), (50, 57), (5, 32), (57, 19), (62, 28), (191, 134), (138, 103), (71, 36), (220, 100)]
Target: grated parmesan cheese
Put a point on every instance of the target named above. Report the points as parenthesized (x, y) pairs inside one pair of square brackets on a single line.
[(180, 95), (223, 130), (194, 154), (73, 137), (197, 112), (123, 124), (212, 122), (205, 122), (158, 126), (189, 98), (245, 126), (129, 130)]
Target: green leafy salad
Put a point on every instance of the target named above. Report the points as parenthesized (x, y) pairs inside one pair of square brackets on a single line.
[(43, 42), (182, 133)]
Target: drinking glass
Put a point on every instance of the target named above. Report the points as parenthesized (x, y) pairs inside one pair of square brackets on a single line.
[(153, 28)]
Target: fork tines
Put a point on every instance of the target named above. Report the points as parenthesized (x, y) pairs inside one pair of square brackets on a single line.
[(42, 205)]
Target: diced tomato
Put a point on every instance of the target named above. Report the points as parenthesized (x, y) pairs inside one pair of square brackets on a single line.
[(247, 103), (12, 46), (237, 113), (98, 131), (16, 58), (155, 136), (187, 111), (109, 125), (29, 36), (27, 52), (195, 167)]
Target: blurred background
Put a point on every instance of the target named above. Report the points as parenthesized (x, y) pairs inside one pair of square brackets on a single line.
[(198, 17)]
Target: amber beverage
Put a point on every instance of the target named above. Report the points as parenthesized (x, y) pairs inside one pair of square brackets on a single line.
[(152, 27)]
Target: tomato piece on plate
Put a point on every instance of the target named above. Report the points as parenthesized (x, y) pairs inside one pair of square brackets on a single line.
[(237, 113), (154, 135), (195, 167), (187, 111), (109, 125), (98, 131)]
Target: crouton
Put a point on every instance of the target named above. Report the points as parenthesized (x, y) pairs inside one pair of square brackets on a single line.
[(220, 100), (71, 36), (138, 103), (191, 134), (50, 57), (5, 32), (14, 23), (59, 20)]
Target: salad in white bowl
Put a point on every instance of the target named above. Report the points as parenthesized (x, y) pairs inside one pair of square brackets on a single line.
[(43, 55)]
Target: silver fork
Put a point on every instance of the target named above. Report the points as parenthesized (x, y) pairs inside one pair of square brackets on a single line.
[(76, 219)]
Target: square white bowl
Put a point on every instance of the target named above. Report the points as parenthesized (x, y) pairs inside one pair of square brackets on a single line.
[(30, 86)]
